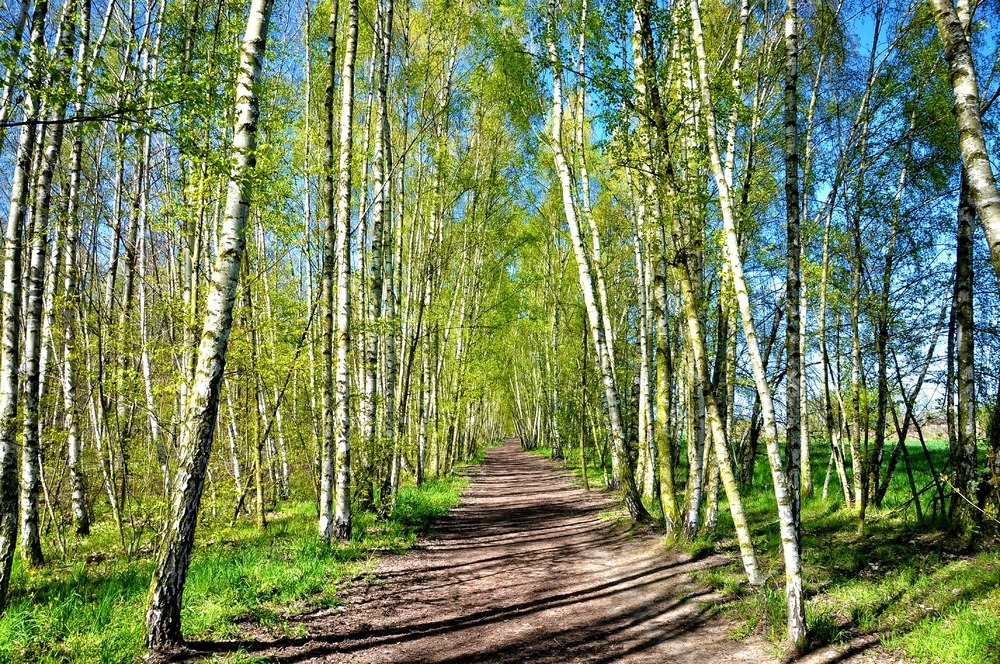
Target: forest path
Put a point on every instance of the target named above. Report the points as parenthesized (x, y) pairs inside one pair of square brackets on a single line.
[(524, 570)]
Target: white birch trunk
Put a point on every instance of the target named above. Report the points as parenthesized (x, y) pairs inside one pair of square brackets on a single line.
[(163, 612), (786, 516), (31, 546), (342, 510), (327, 451), (630, 493), (971, 142), (10, 323), (380, 206), (71, 292)]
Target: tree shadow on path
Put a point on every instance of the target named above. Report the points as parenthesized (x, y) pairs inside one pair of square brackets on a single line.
[(523, 571)]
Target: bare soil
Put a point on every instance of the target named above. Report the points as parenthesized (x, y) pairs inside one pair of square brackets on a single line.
[(525, 570)]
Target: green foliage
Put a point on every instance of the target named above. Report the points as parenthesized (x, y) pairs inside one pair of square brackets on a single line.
[(595, 473), (416, 508)]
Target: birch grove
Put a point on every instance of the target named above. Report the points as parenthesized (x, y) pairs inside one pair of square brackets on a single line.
[(725, 258)]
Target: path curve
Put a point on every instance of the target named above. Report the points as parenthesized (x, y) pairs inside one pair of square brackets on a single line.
[(524, 570)]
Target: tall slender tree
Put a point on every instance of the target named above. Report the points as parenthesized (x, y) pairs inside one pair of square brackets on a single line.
[(163, 610), (342, 513)]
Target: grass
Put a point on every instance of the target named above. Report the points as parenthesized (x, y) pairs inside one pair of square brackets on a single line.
[(919, 591), (595, 473), (90, 607)]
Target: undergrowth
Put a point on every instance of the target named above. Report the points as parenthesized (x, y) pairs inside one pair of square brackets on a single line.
[(89, 607), (915, 589)]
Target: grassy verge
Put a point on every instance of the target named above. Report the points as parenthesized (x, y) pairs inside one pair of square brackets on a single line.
[(922, 594), (89, 607), (595, 473)]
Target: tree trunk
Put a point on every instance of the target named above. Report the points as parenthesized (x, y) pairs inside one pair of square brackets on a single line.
[(71, 282), (31, 546), (968, 114), (10, 324), (342, 511), (793, 288), (163, 612), (327, 479), (381, 177), (664, 391), (785, 503), (963, 455), (630, 492)]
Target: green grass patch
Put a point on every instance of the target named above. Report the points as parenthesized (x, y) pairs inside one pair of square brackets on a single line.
[(90, 607), (905, 581), (596, 478), (969, 634)]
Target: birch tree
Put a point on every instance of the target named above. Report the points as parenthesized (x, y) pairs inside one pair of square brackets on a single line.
[(341, 528), (327, 445), (968, 114), (10, 323), (629, 490), (163, 611), (793, 283), (786, 505)]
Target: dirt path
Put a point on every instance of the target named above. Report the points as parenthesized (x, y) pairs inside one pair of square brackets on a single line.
[(523, 571)]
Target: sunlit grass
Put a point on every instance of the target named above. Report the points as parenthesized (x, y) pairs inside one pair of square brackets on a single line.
[(90, 607), (906, 582), (595, 470)]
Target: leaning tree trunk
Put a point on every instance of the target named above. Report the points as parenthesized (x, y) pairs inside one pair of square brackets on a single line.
[(979, 187), (786, 517), (630, 492), (163, 612), (968, 114), (585, 208)]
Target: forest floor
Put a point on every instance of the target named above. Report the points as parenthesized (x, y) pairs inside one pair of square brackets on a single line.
[(528, 568)]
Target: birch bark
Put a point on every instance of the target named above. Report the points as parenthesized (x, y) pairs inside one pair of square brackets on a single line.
[(963, 454), (380, 206), (71, 284), (10, 323), (793, 283), (978, 189), (327, 479), (630, 492), (31, 546), (684, 254), (786, 516), (342, 510), (971, 142), (163, 612)]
